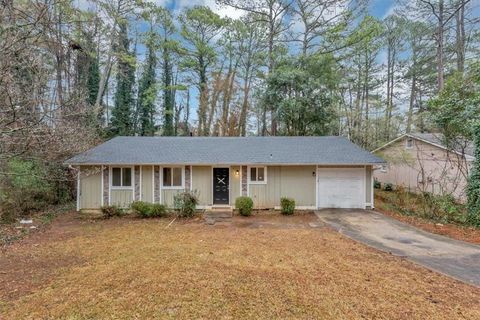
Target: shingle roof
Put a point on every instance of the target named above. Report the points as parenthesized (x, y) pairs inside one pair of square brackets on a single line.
[(226, 150), (460, 146)]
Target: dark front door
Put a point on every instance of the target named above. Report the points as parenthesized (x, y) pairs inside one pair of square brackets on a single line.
[(220, 185)]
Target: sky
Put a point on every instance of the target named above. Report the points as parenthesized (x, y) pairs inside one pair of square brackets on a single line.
[(377, 8)]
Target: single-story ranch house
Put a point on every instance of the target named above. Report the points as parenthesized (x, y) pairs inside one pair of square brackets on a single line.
[(317, 172)]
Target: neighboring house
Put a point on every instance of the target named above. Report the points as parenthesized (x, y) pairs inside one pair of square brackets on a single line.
[(422, 163), (317, 172)]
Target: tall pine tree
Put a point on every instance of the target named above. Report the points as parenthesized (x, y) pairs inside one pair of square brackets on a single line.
[(122, 112), (147, 91)]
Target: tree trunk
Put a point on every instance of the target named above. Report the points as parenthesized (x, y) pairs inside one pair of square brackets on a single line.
[(460, 39), (440, 31)]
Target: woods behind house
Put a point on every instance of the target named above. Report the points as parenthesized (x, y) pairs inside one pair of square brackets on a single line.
[(74, 73)]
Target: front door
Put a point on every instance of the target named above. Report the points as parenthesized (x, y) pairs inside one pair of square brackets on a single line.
[(220, 185)]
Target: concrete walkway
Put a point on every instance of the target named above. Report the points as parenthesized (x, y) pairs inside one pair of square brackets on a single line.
[(454, 258)]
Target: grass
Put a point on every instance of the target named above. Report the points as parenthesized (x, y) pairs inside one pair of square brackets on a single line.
[(280, 268)]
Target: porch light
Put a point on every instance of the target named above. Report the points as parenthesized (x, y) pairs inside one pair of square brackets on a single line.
[(237, 173)]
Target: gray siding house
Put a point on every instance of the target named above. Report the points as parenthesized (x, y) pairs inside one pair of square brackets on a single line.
[(318, 172)]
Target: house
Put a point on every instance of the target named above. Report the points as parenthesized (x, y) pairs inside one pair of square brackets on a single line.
[(421, 162), (317, 172)]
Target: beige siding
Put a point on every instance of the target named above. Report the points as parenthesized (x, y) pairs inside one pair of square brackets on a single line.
[(168, 194), (90, 187), (424, 167), (202, 184), (234, 184), (121, 197), (368, 185), (147, 184), (297, 182)]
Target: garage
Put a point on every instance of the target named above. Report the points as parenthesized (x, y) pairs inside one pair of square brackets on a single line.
[(341, 187)]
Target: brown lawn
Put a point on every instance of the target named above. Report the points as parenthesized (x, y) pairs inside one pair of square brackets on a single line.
[(257, 267)]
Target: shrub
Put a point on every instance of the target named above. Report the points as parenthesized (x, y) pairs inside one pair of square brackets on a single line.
[(148, 210), (244, 205), (112, 211), (141, 209), (158, 210), (30, 186), (185, 203), (377, 184), (288, 206), (388, 187), (473, 187)]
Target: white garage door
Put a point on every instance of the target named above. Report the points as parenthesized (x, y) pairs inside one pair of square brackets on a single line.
[(341, 187)]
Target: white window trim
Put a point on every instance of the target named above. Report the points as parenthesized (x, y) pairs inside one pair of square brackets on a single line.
[(173, 187), (264, 173), (112, 187), (406, 143)]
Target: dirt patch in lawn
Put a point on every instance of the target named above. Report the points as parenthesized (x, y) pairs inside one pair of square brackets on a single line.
[(454, 231), (131, 268), (274, 219)]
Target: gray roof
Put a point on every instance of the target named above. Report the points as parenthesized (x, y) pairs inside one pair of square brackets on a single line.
[(226, 150), (459, 145)]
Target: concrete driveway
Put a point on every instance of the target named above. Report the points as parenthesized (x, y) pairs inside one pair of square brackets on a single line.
[(454, 258)]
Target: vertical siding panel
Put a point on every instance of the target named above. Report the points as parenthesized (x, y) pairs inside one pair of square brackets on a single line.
[(298, 183), (202, 184), (235, 188), (90, 187), (121, 198), (168, 195)]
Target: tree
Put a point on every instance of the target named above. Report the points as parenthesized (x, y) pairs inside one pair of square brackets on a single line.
[(322, 18), (122, 113), (394, 37), (419, 73), (147, 90), (442, 15), (473, 188), (456, 108), (272, 13), (200, 26), (303, 91), (455, 111), (250, 44), (360, 78)]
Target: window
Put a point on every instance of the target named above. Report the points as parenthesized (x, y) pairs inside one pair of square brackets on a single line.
[(258, 175), (121, 177), (384, 168), (172, 177), (409, 143)]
